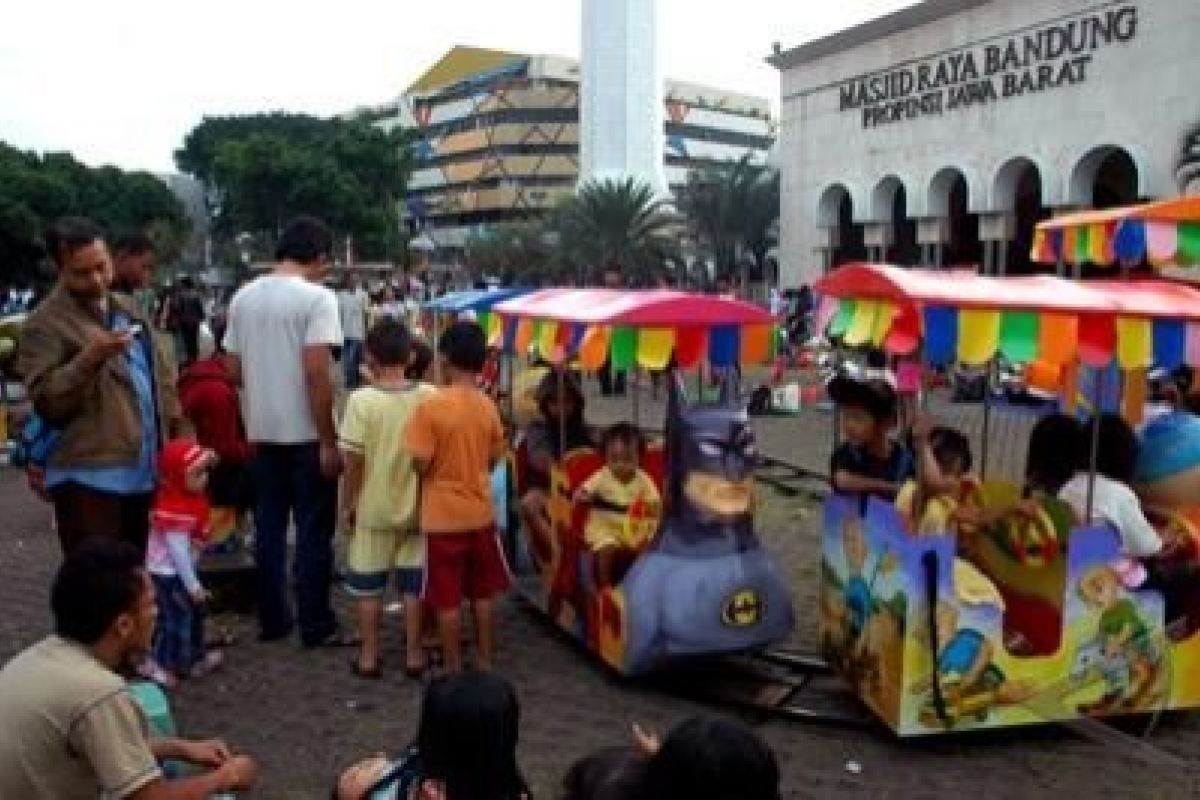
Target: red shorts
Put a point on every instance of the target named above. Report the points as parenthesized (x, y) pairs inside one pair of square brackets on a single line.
[(468, 565)]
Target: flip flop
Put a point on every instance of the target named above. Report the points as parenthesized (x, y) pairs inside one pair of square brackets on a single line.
[(358, 671)]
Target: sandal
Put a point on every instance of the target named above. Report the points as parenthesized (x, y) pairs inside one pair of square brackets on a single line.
[(359, 671)]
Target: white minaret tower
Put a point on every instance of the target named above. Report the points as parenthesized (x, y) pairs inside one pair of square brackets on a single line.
[(621, 103)]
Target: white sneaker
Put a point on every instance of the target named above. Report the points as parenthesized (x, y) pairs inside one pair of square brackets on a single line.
[(212, 660)]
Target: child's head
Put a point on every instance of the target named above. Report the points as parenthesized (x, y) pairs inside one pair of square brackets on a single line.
[(867, 409), (559, 396), (467, 736), (1116, 449), (184, 465), (1100, 587), (420, 359), (388, 344), (612, 774), (854, 544), (463, 348), (951, 451), (622, 447), (1050, 461), (707, 758)]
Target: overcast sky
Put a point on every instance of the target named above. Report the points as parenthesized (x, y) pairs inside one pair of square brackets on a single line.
[(122, 81)]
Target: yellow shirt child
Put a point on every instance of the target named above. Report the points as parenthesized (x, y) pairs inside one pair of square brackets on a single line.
[(624, 505)]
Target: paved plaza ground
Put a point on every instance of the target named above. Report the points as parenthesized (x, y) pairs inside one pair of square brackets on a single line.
[(305, 716)]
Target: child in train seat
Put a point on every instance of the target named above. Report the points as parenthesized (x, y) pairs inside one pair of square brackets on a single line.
[(560, 430), (624, 505), (1113, 501), (946, 498), (868, 462)]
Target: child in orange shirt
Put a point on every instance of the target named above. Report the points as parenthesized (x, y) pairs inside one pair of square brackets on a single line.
[(454, 438)]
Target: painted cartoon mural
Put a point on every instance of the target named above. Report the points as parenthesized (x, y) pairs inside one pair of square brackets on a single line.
[(702, 584), (930, 658)]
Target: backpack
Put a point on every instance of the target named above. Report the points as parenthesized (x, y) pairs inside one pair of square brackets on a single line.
[(760, 401)]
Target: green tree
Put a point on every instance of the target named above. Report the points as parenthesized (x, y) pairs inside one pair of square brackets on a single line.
[(734, 209), (265, 168), (1187, 168), (525, 252), (617, 223), (35, 189)]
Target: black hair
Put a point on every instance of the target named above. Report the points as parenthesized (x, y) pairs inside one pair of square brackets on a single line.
[(464, 346), (133, 244), (305, 240), (186, 282), (556, 379), (876, 359), (1116, 449), (615, 773), (100, 580), (67, 234), (950, 447), (419, 360), (468, 737), (706, 758), (1053, 443), (389, 343), (874, 396), (622, 432)]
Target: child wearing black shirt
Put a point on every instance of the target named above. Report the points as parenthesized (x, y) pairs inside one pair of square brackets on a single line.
[(868, 462)]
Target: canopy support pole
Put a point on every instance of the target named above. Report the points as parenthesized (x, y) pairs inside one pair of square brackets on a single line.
[(562, 418), (635, 390), (987, 420), (1094, 455)]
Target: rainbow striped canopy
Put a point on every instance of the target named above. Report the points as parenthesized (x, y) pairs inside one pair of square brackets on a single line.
[(643, 328), (965, 317), (1165, 233)]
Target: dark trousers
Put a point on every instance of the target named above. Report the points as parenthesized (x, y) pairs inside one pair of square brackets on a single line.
[(610, 383), (81, 512), (352, 359), (289, 485), (179, 634), (190, 333)]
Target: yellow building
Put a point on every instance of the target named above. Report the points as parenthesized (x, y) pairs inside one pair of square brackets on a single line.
[(499, 137)]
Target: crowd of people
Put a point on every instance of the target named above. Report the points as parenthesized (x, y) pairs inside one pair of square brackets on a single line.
[(136, 463)]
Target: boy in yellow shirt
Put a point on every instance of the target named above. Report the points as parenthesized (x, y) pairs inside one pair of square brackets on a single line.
[(380, 493), (625, 505)]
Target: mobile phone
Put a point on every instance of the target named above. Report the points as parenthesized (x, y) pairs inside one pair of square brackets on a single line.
[(134, 329)]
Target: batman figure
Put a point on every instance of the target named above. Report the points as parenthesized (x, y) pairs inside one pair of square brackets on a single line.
[(707, 585)]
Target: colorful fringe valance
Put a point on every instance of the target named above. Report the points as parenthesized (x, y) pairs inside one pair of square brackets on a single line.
[(975, 336), (624, 347), (1126, 241)]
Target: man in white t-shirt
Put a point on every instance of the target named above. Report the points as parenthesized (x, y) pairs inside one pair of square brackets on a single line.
[(281, 330), (352, 308)]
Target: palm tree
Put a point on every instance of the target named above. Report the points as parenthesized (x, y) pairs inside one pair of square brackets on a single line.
[(734, 209), (622, 223), (1187, 170)]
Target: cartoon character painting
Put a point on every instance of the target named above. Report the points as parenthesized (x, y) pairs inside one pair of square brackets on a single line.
[(863, 608), (969, 684), (1124, 652), (706, 585)]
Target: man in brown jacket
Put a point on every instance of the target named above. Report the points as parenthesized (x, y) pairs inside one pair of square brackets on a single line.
[(95, 375)]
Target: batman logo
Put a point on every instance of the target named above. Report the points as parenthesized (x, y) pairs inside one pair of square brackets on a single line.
[(744, 608)]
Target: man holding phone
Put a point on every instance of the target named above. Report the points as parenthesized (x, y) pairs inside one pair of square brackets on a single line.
[(94, 373)]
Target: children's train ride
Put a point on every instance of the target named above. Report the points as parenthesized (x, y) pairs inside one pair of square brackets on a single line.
[(1070, 624), (685, 578)]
